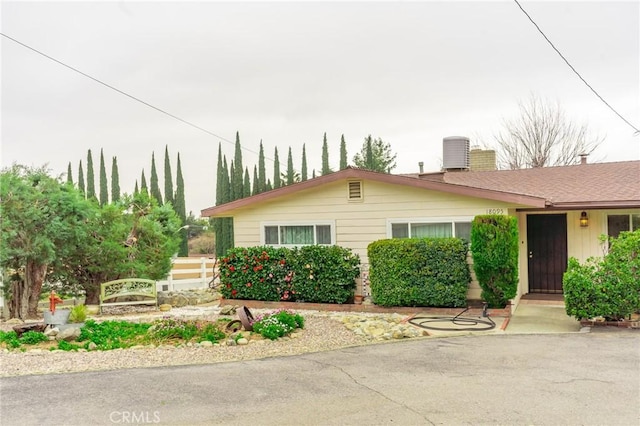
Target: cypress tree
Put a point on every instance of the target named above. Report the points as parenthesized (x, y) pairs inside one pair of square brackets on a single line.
[(180, 209), (232, 181), (325, 156), (269, 186), (91, 184), (343, 153), (238, 171), (168, 178), (217, 222), (246, 185), (369, 152), (81, 179), (136, 191), (115, 181), (290, 179), (255, 190), (143, 184), (225, 241), (69, 176), (262, 172), (303, 173), (276, 170), (155, 185), (104, 193)]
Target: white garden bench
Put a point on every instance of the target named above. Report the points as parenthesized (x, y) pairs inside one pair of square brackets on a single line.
[(142, 290)]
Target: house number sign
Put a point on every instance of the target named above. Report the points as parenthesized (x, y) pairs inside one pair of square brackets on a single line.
[(495, 211)]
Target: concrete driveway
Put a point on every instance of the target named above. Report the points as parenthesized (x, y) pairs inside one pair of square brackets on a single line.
[(543, 379)]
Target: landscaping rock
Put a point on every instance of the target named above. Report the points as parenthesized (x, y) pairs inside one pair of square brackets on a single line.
[(242, 341), (165, 307), (228, 310), (206, 344), (69, 334), (51, 331), (14, 321), (92, 346)]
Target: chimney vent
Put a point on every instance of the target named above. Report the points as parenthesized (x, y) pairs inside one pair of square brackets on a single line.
[(421, 166), (583, 158)]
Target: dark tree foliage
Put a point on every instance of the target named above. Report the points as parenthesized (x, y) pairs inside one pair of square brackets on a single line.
[(238, 170), (246, 186), (104, 192), (343, 153), (69, 175), (91, 184), (143, 184), (325, 156), (136, 190), (303, 173), (277, 180), (180, 209), (155, 185), (81, 186), (290, 171), (375, 155), (115, 181), (255, 189), (168, 178), (262, 172)]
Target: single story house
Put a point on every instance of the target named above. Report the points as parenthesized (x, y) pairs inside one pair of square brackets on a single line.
[(561, 211)]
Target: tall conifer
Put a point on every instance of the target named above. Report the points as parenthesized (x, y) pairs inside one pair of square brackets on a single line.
[(180, 209), (91, 184), (276, 170), (246, 185), (115, 181), (81, 186), (262, 171), (255, 189), (104, 192), (343, 153), (168, 177), (325, 156), (143, 184), (69, 176), (238, 170), (290, 172), (155, 185), (303, 173)]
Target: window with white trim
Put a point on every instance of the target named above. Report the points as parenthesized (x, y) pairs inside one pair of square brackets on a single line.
[(617, 223), (438, 228), (285, 234)]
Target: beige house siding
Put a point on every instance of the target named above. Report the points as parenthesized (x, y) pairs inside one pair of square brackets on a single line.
[(358, 223)]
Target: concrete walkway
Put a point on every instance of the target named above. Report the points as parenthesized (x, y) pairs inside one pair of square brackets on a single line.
[(535, 318)]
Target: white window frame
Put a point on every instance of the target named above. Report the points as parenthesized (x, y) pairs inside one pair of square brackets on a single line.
[(426, 220), (622, 213), (314, 223)]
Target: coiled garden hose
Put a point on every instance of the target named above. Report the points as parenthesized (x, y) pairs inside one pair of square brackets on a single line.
[(461, 323)]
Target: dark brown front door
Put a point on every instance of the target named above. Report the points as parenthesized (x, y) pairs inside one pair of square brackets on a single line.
[(547, 252)]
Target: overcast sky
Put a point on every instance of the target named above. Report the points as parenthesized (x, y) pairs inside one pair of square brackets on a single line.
[(410, 73)]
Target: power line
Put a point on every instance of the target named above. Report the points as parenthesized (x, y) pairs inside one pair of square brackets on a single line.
[(574, 70), (188, 123)]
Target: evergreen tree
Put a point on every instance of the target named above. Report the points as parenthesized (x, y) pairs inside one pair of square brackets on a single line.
[(143, 183), (225, 240), (115, 181), (269, 185), (168, 178), (217, 222), (303, 176), (375, 155), (155, 185), (290, 172), (255, 190), (343, 153), (313, 174), (262, 172), (69, 176), (180, 209), (325, 156), (276, 170), (104, 192), (232, 181), (81, 186), (136, 191), (238, 170), (246, 185), (91, 184)]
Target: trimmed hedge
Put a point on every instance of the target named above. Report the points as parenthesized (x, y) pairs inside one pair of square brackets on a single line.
[(318, 274), (494, 244), (419, 272), (608, 287)]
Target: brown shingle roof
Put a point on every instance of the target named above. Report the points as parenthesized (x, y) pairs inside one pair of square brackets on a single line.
[(585, 185)]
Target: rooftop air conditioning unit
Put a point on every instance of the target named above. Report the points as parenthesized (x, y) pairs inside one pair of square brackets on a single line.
[(455, 153)]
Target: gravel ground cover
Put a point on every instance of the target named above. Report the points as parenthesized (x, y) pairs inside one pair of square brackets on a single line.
[(322, 332)]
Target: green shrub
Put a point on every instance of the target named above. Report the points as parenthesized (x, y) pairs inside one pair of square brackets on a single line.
[(112, 334), (324, 274), (608, 287), (419, 272), (494, 245), (78, 314), (32, 338), (277, 324), (10, 338)]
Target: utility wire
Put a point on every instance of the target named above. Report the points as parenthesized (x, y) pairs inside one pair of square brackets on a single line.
[(574, 70), (188, 123)]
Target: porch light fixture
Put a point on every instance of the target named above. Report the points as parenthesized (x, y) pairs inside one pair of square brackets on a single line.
[(584, 220)]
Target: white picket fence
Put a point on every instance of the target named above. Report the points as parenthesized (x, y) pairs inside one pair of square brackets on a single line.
[(188, 273)]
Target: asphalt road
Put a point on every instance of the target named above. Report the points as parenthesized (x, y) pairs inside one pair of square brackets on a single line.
[(552, 379)]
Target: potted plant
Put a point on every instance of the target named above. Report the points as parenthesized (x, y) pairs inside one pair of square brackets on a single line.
[(78, 314)]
